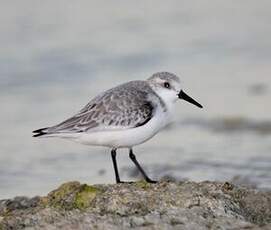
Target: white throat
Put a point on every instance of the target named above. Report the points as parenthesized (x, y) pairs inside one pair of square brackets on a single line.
[(168, 97)]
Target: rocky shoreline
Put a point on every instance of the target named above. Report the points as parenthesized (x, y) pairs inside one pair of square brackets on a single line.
[(166, 205)]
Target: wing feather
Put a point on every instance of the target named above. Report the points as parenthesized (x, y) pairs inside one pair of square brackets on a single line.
[(125, 106)]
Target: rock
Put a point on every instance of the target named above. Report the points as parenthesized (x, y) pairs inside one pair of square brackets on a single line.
[(139, 205)]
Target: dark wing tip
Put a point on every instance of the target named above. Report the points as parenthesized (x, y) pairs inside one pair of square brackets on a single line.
[(39, 132)]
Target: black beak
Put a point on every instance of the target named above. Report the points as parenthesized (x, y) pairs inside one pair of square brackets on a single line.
[(184, 96)]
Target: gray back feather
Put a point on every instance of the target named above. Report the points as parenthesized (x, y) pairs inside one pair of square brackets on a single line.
[(122, 107)]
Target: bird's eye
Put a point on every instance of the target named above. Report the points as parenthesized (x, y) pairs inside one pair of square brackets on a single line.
[(167, 85)]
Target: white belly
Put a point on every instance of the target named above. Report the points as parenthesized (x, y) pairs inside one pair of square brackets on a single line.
[(128, 137)]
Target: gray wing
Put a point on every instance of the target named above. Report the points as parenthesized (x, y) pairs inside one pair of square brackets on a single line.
[(126, 106)]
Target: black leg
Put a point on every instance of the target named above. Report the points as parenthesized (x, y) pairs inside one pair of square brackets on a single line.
[(133, 158), (113, 154)]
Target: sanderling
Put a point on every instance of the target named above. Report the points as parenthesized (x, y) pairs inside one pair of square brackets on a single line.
[(124, 116)]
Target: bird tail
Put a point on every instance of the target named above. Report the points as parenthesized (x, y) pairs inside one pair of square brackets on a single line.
[(40, 132)]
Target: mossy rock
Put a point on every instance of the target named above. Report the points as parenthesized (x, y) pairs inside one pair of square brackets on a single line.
[(188, 205), (142, 184), (85, 196), (71, 195)]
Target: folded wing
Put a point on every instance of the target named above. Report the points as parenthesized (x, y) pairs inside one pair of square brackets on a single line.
[(123, 107)]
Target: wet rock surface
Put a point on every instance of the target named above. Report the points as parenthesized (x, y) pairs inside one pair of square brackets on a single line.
[(166, 205)]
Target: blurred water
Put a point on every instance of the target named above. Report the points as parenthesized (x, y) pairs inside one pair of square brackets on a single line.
[(55, 56)]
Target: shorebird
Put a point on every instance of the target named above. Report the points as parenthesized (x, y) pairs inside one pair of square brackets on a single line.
[(124, 116)]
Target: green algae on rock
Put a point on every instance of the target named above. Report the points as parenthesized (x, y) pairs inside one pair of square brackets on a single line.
[(85, 196), (165, 205), (72, 195)]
